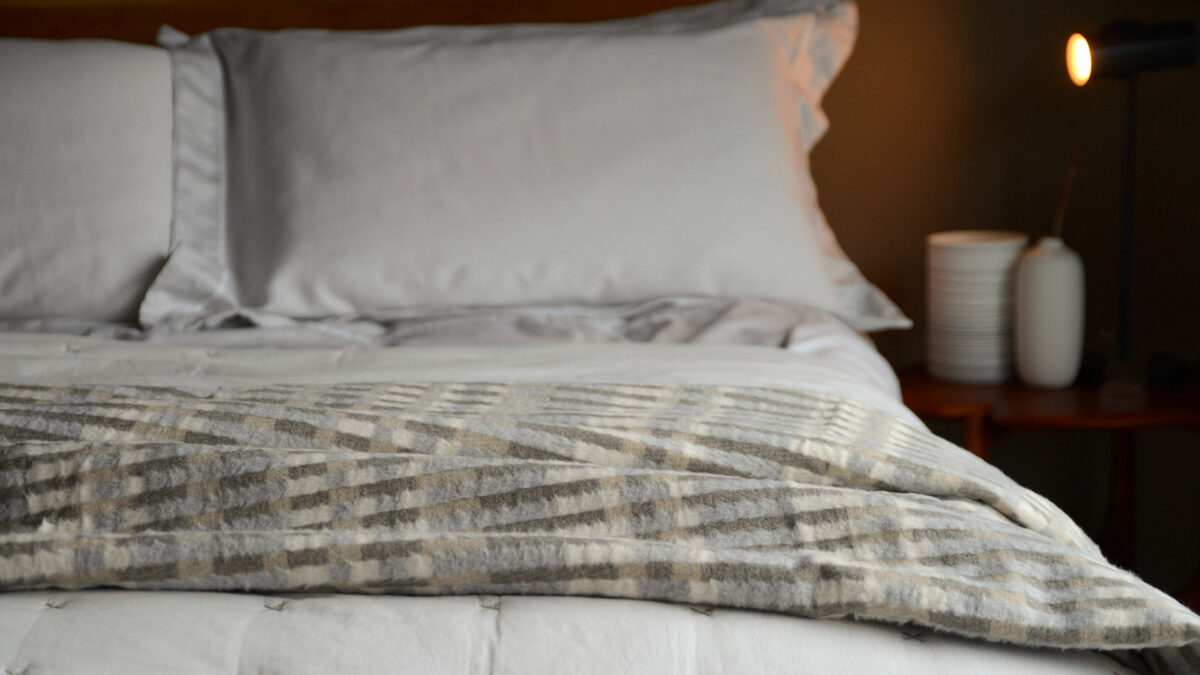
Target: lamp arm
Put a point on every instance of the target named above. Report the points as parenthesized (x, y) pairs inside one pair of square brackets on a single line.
[(1125, 291)]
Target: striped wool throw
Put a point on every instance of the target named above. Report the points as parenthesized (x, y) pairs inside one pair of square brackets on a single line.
[(743, 497)]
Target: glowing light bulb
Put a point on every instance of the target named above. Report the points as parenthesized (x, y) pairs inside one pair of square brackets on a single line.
[(1079, 59)]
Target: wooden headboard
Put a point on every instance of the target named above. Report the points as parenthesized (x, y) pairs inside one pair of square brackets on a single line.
[(138, 20)]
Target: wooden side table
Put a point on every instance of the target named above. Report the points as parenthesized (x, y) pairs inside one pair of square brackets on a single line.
[(987, 411)]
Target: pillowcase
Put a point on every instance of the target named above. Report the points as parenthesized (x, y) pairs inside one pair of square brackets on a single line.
[(339, 174), (85, 177)]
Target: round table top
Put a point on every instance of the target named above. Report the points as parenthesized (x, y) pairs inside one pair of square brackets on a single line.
[(1012, 404)]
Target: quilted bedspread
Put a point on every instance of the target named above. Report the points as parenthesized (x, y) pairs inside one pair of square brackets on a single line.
[(777, 500)]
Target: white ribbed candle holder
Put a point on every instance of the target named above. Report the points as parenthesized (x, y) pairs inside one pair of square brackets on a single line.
[(969, 301)]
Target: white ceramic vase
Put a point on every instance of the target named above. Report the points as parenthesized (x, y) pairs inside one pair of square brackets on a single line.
[(1049, 316)]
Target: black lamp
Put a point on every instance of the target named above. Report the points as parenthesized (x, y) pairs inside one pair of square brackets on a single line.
[(1124, 49)]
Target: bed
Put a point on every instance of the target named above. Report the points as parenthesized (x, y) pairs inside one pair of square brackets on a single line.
[(512, 347)]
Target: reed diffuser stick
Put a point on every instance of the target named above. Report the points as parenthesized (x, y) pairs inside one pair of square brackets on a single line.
[(1065, 200)]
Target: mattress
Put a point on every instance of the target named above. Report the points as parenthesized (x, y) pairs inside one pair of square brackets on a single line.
[(133, 631), (157, 632)]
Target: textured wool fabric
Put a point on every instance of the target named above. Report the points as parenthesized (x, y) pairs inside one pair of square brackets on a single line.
[(344, 174), (746, 497)]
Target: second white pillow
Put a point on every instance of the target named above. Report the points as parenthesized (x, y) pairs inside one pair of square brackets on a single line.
[(508, 165)]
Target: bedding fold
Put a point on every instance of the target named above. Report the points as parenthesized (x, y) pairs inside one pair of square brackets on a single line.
[(773, 499)]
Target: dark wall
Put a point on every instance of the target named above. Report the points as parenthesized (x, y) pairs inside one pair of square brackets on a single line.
[(958, 114)]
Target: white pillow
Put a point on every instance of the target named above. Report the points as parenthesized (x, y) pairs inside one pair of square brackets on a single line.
[(85, 177), (339, 174)]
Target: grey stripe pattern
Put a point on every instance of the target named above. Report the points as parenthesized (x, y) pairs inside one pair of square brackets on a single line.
[(743, 497)]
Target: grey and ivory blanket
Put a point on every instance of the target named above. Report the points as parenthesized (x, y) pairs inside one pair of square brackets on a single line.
[(775, 500)]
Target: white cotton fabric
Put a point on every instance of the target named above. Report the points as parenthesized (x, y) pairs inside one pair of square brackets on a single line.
[(663, 321), (336, 174), (85, 177), (830, 359), (133, 632)]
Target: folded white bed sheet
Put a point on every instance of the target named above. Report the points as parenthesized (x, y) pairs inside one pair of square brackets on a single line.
[(825, 365), (670, 321)]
